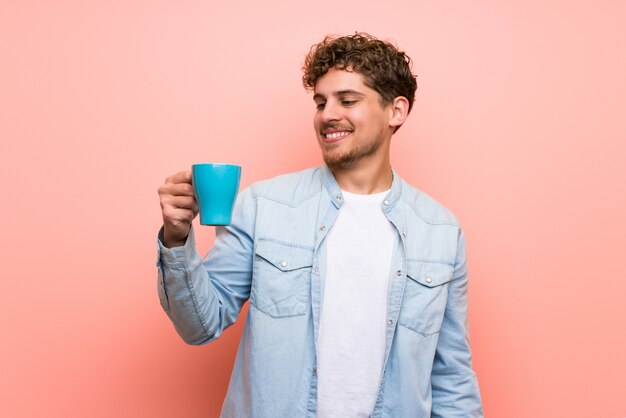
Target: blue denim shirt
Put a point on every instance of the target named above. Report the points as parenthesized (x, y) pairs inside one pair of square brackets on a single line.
[(273, 253)]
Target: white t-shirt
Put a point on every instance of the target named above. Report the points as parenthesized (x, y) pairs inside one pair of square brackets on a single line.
[(351, 340)]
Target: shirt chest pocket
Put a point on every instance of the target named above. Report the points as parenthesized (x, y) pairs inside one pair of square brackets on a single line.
[(280, 285), (425, 296)]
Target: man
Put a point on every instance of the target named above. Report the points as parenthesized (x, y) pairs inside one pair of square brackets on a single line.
[(357, 281)]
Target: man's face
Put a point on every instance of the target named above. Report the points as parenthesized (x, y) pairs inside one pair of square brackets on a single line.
[(350, 121)]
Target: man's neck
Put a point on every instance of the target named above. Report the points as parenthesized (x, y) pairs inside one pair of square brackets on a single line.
[(366, 177)]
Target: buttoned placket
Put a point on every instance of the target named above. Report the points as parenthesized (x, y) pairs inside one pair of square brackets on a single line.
[(396, 290), (334, 203), (330, 203)]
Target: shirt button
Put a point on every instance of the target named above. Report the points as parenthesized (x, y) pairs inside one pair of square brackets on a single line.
[(315, 269), (429, 280), (339, 197), (283, 263), (399, 273), (390, 322), (404, 233), (386, 203), (322, 228), (314, 370)]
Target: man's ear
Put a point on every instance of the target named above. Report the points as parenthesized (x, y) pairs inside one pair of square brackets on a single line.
[(399, 111)]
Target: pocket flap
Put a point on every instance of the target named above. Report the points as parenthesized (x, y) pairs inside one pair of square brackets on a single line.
[(429, 274), (284, 257)]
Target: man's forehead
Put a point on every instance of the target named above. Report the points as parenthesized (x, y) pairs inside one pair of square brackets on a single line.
[(340, 82)]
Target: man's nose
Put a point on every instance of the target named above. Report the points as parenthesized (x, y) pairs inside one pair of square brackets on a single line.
[(330, 112)]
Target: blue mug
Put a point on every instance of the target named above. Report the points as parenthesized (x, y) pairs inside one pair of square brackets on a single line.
[(215, 186)]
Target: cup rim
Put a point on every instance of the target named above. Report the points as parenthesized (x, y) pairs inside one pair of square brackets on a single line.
[(215, 165)]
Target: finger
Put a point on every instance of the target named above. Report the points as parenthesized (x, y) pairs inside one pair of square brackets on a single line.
[(176, 217), (176, 189), (182, 202), (180, 177)]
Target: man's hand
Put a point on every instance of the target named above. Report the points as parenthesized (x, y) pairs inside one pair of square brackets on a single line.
[(179, 207)]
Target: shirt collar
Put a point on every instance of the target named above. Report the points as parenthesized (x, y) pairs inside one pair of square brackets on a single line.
[(329, 182)]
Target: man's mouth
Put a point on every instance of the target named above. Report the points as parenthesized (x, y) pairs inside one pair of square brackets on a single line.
[(332, 135)]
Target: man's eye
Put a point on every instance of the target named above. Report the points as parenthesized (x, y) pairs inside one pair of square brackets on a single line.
[(348, 102), (320, 106)]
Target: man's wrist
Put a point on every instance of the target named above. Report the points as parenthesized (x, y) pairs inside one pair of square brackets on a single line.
[(174, 244), (171, 243)]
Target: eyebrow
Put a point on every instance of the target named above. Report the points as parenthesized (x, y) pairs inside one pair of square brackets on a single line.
[(339, 93)]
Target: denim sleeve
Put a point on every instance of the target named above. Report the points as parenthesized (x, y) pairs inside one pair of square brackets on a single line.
[(455, 390), (204, 297)]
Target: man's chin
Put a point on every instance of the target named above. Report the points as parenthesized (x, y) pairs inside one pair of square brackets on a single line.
[(339, 162)]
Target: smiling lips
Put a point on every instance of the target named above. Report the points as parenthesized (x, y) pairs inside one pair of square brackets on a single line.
[(334, 135)]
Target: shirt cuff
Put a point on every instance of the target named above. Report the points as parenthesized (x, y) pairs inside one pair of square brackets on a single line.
[(177, 257)]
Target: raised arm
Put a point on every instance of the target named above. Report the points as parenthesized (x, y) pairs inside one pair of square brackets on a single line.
[(202, 298)]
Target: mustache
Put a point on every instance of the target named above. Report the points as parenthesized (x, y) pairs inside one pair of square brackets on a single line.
[(335, 126)]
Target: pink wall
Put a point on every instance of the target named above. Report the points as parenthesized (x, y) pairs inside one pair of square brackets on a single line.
[(518, 127)]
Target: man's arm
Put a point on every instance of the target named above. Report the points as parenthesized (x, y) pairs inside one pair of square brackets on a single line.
[(202, 298), (455, 390)]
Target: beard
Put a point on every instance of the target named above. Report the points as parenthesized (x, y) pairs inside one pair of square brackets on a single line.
[(334, 158)]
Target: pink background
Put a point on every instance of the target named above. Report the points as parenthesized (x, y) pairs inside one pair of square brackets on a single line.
[(519, 128)]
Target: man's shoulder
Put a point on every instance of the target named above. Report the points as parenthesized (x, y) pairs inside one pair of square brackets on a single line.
[(426, 207), (289, 188)]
